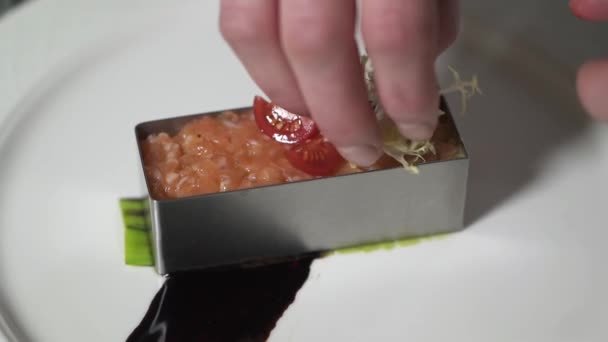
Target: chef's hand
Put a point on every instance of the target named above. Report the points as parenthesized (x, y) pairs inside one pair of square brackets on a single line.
[(303, 54), (592, 82)]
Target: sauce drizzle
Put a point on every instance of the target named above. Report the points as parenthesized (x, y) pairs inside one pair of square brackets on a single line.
[(236, 304)]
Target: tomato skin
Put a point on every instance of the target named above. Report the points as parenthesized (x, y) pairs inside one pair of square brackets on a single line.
[(317, 157), (310, 152), (282, 125)]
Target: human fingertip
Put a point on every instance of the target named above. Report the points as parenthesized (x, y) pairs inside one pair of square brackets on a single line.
[(417, 131), (361, 155)]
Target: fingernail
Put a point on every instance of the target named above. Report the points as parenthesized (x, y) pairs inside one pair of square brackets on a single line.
[(417, 131), (363, 155)]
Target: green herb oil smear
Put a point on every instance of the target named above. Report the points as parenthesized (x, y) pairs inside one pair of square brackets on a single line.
[(138, 247)]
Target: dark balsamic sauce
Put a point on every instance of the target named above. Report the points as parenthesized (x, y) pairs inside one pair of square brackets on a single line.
[(237, 304)]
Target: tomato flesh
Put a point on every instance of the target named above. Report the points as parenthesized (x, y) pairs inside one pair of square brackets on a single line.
[(282, 125), (317, 157), (310, 153)]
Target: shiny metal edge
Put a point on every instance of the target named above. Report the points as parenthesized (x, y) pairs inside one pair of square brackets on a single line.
[(285, 230), (311, 216)]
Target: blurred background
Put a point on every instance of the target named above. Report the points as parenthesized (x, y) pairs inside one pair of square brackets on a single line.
[(5, 5)]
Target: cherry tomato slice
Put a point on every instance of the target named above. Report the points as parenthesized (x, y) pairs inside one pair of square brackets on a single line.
[(281, 125), (317, 157)]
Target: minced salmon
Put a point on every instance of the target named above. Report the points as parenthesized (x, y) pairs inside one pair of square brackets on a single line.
[(216, 154), (228, 152)]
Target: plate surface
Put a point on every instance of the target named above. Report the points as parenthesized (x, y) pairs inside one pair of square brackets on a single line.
[(530, 267)]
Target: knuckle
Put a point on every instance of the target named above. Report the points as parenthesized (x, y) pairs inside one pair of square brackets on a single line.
[(239, 26)]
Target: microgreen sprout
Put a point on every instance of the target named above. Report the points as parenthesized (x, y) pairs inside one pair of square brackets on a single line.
[(394, 144), (467, 89)]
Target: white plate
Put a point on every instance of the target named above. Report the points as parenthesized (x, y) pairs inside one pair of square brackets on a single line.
[(76, 76)]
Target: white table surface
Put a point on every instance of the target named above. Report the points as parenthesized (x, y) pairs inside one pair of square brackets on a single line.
[(529, 267)]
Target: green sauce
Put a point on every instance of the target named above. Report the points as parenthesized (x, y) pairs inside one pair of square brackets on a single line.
[(388, 245), (138, 248)]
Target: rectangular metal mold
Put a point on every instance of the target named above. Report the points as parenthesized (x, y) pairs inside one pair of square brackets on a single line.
[(303, 217)]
